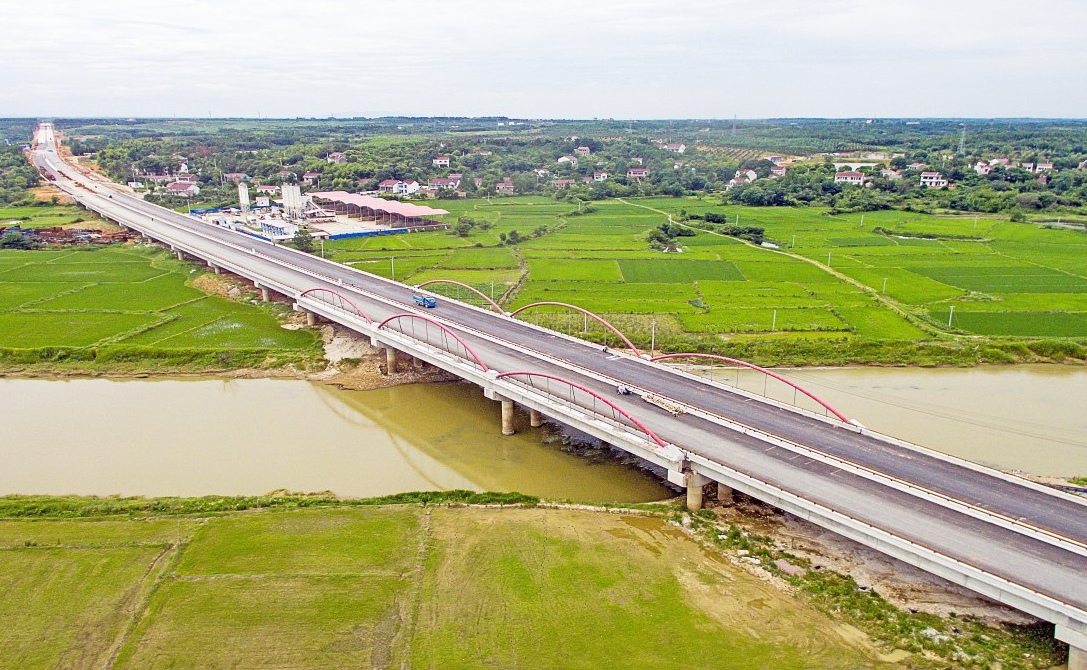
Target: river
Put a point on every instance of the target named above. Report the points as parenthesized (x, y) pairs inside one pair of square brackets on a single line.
[(251, 436)]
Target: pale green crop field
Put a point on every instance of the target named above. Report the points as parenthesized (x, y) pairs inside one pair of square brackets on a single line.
[(828, 275), (125, 296)]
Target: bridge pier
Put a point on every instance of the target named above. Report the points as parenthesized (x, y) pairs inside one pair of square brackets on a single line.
[(390, 360), (417, 362), (1077, 646), (311, 318), (507, 417), (535, 419), (694, 483), (724, 493), (265, 296)]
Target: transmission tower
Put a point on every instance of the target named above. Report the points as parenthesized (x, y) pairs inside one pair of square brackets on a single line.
[(962, 141)]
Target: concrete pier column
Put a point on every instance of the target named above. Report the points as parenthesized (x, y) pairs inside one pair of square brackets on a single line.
[(1076, 637), (180, 256), (264, 294), (694, 483), (507, 417), (535, 419), (311, 318), (218, 270), (390, 359), (1077, 658), (724, 493), (417, 362)]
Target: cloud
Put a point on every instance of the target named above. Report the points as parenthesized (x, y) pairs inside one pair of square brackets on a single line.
[(562, 58)]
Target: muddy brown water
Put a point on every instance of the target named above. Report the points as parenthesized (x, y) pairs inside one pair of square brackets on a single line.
[(251, 436), (247, 437)]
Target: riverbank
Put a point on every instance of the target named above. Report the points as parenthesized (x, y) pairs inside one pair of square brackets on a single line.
[(437, 579)]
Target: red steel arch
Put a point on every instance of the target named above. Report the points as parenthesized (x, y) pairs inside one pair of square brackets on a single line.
[(769, 373), (586, 312), (344, 302), (641, 426), (473, 289), (445, 331)]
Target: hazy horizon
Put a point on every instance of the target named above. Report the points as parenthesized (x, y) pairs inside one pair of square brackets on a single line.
[(558, 60)]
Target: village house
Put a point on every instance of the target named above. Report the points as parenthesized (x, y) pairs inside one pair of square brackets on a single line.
[(1000, 161), (933, 180), (285, 174), (542, 172), (188, 178), (236, 177), (982, 168), (336, 157), (893, 175), (586, 179), (1029, 167), (567, 159), (582, 151), (1043, 166), (849, 177), (271, 189), (484, 152), (600, 176), (504, 187), (637, 159), (478, 181), (562, 183), (440, 161), (183, 189), (309, 178), (675, 147), (156, 178), (917, 166), (442, 184), (743, 177), (637, 173), (777, 170), (397, 186)]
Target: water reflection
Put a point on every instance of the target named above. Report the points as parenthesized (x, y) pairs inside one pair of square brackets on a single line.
[(216, 436)]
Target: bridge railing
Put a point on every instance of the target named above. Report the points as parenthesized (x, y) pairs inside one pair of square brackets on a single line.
[(428, 331), (581, 396)]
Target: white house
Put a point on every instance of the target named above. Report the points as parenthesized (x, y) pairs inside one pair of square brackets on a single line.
[(637, 173), (675, 147), (600, 176), (567, 159), (849, 177), (440, 161), (933, 180), (582, 151), (184, 189)]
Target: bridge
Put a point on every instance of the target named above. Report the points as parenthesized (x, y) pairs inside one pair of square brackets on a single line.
[(1011, 540)]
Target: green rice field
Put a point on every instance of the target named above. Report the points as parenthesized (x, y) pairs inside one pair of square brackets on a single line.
[(888, 276), (127, 297)]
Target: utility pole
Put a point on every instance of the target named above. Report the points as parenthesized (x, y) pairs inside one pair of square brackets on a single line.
[(950, 316), (828, 259), (884, 285), (392, 267), (774, 323), (652, 338)]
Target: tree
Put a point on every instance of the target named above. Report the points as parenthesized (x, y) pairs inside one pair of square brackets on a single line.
[(303, 241)]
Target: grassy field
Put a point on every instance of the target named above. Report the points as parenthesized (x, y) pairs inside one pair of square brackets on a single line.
[(311, 582), (114, 303), (45, 216), (861, 284), (378, 587)]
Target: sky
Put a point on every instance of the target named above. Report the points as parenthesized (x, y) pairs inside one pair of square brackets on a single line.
[(627, 59)]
